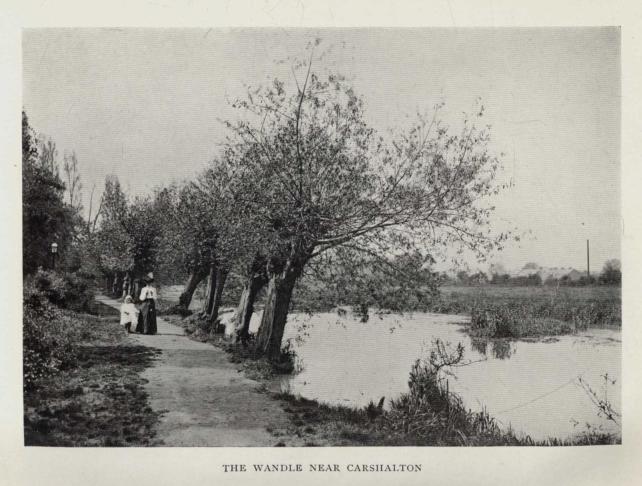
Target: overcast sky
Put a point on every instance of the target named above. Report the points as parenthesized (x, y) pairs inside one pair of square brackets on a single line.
[(146, 105)]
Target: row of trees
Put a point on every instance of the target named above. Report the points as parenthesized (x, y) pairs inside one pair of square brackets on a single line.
[(611, 274), (304, 186)]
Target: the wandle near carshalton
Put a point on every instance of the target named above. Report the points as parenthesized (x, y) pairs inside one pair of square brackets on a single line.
[(321, 237)]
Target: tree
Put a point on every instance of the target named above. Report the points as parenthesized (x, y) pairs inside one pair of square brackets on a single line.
[(500, 279), (344, 276), (479, 278), (112, 243), (128, 241), (184, 242), (323, 179), (45, 217), (463, 277), (238, 237), (611, 272), (209, 232), (497, 268), (72, 180), (256, 278), (92, 218), (192, 238)]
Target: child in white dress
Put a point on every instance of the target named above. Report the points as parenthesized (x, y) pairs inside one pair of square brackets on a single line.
[(128, 313)]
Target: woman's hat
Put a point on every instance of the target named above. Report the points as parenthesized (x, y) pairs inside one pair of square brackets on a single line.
[(149, 277)]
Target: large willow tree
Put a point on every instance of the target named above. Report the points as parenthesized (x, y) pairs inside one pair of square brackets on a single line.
[(321, 179)]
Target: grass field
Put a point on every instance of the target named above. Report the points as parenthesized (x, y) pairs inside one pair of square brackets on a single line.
[(498, 311)]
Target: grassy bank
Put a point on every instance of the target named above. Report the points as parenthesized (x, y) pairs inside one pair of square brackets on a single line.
[(335, 426), (520, 312), (96, 396)]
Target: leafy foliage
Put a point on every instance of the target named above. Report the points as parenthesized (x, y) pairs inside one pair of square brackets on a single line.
[(317, 178), (611, 273), (49, 334), (45, 217), (129, 236)]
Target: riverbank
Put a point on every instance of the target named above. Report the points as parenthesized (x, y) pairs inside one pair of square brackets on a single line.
[(101, 400)]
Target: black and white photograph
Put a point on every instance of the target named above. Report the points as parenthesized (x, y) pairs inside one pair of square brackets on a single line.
[(321, 237)]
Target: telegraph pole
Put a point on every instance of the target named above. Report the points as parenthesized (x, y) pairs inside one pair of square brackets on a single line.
[(588, 266)]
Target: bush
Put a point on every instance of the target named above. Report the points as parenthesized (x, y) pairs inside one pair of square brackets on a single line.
[(69, 290), (49, 334), (503, 321), (436, 416)]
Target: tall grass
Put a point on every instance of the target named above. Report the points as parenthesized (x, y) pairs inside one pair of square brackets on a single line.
[(534, 311), (433, 415)]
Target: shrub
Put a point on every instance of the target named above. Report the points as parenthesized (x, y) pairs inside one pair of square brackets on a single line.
[(494, 321), (49, 335), (505, 321), (433, 414), (68, 290)]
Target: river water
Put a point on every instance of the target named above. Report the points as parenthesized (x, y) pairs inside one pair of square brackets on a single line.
[(532, 387)]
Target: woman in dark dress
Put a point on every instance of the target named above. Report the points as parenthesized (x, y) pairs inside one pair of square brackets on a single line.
[(147, 316)]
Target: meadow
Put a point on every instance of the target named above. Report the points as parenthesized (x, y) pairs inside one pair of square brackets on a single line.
[(506, 311)]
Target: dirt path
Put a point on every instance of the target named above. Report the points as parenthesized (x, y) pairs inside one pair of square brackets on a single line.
[(204, 399)]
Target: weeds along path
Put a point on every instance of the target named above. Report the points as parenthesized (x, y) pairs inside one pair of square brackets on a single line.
[(203, 398)]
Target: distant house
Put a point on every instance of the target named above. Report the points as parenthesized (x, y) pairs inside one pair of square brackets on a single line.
[(558, 273), (550, 273)]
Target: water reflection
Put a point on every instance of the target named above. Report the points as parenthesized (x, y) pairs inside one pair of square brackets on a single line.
[(501, 348), (479, 345)]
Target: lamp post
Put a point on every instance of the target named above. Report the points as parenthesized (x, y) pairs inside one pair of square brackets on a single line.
[(54, 253)]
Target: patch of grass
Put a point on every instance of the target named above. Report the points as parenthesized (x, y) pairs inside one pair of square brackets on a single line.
[(516, 322), (518, 312), (428, 414)]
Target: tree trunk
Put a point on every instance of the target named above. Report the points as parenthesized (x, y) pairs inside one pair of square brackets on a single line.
[(127, 285), (195, 278), (211, 291), (114, 285), (137, 287), (245, 309), (275, 314), (221, 277)]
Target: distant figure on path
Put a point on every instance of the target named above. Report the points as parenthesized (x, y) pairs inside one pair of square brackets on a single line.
[(128, 313), (147, 318)]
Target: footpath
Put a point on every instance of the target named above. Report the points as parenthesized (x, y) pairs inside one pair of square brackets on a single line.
[(204, 399)]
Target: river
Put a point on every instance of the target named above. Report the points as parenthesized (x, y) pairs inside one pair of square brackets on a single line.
[(532, 387)]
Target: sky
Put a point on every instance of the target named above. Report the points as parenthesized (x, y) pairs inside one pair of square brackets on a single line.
[(147, 106)]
